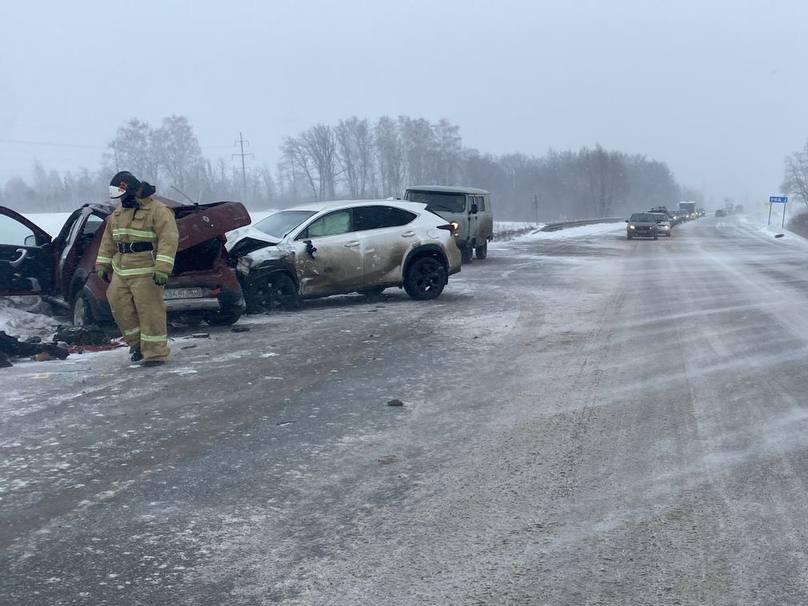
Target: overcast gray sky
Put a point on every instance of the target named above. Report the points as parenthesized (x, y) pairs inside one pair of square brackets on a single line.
[(716, 88)]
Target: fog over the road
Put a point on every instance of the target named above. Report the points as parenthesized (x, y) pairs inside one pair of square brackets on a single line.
[(714, 89)]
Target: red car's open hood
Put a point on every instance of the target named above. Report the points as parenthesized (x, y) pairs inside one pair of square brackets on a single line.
[(199, 222)]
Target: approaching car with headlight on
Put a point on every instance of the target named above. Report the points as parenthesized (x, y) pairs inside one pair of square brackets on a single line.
[(642, 225), (330, 248), (664, 224)]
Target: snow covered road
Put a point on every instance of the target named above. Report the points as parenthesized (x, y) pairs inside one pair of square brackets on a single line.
[(586, 420)]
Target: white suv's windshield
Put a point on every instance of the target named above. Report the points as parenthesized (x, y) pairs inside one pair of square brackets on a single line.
[(281, 223)]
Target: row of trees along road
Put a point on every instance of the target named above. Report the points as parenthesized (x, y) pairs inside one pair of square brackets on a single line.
[(358, 158), (795, 179)]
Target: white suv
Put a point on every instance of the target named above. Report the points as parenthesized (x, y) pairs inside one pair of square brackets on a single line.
[(330, 248)]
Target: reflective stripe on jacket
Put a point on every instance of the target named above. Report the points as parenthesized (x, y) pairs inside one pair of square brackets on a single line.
[(151, 222)]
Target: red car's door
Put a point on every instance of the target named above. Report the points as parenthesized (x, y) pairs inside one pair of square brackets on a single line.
[(26, 256)]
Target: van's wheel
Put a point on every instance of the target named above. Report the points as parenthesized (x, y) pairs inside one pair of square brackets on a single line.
[(82, 313), (270, 291), (481, 252), (628, 237), (425, 279), (467, 254)]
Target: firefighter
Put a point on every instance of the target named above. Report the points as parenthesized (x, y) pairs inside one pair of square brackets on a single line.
[(138, 249)]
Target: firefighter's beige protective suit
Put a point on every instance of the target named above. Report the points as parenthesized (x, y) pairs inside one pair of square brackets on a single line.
[(137, 302)]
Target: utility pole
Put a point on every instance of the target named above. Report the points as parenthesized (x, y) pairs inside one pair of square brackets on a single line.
[(536, 206), (241, 141)]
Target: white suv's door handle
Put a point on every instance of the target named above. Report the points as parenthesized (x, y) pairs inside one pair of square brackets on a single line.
[(408, 234), (16, 262), (353, 244)]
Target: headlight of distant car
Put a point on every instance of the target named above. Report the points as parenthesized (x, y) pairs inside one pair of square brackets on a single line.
[(631, 227), (455, 227)]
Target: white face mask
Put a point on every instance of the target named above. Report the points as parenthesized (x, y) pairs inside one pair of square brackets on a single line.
[(116, 192)]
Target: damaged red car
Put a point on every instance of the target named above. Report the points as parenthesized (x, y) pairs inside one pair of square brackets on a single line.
[(203, 286)]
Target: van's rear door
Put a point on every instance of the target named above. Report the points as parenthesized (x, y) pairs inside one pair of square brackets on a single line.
[(202, 222)]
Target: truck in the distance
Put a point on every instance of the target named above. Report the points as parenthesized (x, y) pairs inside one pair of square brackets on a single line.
[(689, 208)]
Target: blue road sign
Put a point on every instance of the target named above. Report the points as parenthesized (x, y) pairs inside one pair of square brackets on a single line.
[(778, 199)]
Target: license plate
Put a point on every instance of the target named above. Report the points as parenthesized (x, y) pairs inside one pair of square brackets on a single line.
[(183, 293)]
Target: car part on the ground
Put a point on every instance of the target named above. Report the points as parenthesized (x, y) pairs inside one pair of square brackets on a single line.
[(81, 335), (11, 347)]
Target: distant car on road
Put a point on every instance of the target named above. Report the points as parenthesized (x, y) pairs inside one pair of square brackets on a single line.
[(331, 248), (664, 224), (203, 285), (720, 213), (642, 225), (679, 216)]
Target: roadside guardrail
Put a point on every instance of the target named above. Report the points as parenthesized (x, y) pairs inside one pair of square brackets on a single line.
[(565, 224)]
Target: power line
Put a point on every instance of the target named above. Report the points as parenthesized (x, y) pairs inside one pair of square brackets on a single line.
[(241, 141), (83, 145), (49, 144)]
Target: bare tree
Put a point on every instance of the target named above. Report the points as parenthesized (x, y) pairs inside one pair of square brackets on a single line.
[(605, 176), (178, 151), (795, 181), (320, 145), (419, 148), (299, 166), (389, 155), (133, 149), (449, 148), (356, 156), (348, 154)]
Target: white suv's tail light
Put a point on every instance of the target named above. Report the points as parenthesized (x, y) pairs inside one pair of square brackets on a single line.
[(450, 227)]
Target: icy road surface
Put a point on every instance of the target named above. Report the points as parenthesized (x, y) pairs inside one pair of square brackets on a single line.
[(586, 420)]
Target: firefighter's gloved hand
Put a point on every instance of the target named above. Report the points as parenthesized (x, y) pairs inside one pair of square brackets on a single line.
[(102, 274), (160, 278)]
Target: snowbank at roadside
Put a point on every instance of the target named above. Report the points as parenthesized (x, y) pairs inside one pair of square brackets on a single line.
[(596, 229)]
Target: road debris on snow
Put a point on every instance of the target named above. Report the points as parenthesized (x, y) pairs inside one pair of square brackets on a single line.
[(81, 335), (11, 347)]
